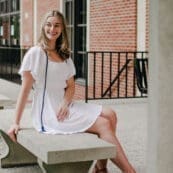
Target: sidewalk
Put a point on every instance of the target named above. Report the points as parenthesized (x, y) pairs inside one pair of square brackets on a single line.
[(131, 130)]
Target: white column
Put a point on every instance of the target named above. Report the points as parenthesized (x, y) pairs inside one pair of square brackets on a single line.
[(61, 6), (88, 26), (160, 116), (141, 25), (35, 21), (21, 26)]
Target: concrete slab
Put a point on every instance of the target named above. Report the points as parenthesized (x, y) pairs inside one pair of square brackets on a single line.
[(66, 148)]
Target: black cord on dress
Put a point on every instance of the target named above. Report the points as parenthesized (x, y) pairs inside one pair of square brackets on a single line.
[(42, 107)]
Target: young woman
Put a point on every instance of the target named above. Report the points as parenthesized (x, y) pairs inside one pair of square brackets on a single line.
[(48, 68)]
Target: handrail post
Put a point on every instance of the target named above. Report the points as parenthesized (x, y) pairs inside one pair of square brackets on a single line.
[(86, 77)]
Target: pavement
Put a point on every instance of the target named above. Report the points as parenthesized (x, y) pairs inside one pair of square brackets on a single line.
[(131, 129)]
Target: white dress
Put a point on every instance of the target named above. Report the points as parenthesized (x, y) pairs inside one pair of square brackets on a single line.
[(82, 115)]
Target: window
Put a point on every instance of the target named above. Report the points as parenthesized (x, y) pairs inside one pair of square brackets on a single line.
[(4, 35), (15, 29), (3, 6), (9, 22), (15, 5), (75, 13)]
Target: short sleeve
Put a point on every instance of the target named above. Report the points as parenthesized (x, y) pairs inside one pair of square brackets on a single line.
[(30, 63), (71, 68)]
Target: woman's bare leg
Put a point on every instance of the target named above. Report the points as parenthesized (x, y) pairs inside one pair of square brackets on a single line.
[(110, 115), (103, 128)]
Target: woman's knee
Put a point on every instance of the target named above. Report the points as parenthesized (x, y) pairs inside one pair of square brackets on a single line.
[(109, 113), (101, 126), (105, 131), (105, 123)]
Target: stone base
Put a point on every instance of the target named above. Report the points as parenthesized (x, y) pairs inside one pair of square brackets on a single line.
[(73, 167), (13, 154)]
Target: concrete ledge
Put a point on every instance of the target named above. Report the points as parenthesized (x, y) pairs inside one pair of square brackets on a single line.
[(54, 149), (74, 167)]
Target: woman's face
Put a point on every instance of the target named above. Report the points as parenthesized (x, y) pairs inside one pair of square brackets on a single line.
[(53, 28)]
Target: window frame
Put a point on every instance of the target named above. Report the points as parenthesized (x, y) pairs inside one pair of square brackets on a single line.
[(79, 27)]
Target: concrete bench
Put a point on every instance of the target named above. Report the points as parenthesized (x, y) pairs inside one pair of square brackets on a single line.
[(54, 153)]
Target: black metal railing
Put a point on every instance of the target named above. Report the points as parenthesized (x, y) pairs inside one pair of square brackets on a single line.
[(10, 60), (111, 75)]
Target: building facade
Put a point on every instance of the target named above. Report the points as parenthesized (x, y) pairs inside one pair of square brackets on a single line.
[(93, 25)]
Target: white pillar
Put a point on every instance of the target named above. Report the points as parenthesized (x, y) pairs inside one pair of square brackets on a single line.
[(160, 116), (35, 21), (141, 25), (61, 6)]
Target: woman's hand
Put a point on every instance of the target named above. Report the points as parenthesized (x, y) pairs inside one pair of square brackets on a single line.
[(12, 132), (63, 112)]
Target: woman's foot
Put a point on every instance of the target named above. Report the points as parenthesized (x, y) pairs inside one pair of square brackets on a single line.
[(130, 170), (99, 170)]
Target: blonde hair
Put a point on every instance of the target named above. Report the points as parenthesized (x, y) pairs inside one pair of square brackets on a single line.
[(62, 44)]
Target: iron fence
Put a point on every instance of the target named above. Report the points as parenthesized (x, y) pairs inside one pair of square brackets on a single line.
[(113, 75)]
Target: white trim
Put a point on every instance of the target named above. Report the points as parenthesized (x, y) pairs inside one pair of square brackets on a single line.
[(88, 26), (141, 25), (21, 26), (21, 30), (61, 9), (88, 37), (35, 21)]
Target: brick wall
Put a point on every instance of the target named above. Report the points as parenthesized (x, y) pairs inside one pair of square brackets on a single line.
[(26, 23), (79, 92), (27, 16), (113, 25)]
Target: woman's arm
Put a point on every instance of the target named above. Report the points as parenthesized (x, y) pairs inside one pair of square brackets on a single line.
[(27, 83), (63, 111), (69, 92)]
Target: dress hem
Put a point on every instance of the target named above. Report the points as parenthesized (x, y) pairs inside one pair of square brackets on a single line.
[(54, 132)]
